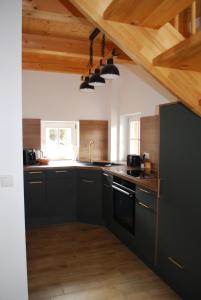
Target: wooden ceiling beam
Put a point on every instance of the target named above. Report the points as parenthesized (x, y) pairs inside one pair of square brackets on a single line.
[(50, 6), (148, 13), (186, 55), (66, 47), (143, 45), (39, 61), (60, 46), (52, 67), (54, 17)]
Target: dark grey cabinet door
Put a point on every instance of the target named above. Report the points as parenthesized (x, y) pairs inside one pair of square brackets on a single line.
[(107, 204), (145, 224), (180, 206), (107, 198), (89, 197), (145, 232), (34, 201), (60, 196)]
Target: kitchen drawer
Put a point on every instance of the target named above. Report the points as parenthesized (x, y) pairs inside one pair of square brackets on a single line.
[(177, 275), (146, 197), (107, 179), (34, 175), (90, 175), (59, 173)]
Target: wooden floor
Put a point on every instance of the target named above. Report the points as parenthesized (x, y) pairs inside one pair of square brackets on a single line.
[(86, 262)]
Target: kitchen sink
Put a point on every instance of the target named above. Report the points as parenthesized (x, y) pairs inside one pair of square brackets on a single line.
[(99, 163)]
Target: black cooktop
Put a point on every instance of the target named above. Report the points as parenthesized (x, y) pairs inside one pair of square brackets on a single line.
[(141, 174)]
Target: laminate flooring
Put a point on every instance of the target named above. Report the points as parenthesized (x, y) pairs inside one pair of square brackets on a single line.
[(86, 262)]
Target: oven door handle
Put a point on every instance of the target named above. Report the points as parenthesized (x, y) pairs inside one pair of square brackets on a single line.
[(121, 191)]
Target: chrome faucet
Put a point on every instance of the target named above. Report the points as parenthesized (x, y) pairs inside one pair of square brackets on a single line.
[(91, 142)]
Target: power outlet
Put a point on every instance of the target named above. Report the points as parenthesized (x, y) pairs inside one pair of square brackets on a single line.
[(6, 181)]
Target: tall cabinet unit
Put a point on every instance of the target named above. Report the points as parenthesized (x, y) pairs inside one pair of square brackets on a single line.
[(179, 239)]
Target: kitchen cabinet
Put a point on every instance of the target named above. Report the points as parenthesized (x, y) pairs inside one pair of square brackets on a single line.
[(145, 224), (60, 195), (89, 196), (34, 194), (179, 240), (107, 199)]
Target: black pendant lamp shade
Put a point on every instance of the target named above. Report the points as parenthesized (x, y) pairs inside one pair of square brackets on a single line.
[(85, 87), (96, 80), (110, 71)]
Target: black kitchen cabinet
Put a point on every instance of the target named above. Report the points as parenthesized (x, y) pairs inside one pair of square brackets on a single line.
[(60, 195), (179, 239), (145, 224), (107, 199), (34, 194), (89, 196)]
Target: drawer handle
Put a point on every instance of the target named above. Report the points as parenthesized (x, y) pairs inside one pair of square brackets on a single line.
[(175, 263), (121, 191), (35, 182), (61, 171), (145, 191), (105, 174), (144, 205), (87, 181), (38, 172)]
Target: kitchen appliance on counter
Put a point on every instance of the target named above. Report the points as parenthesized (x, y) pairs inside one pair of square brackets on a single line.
[(29, 157), (133, 160)]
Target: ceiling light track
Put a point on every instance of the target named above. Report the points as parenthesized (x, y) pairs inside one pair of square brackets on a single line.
[(102, 72)]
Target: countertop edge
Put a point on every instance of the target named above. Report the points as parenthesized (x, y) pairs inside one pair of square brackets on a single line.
[(150, 184)]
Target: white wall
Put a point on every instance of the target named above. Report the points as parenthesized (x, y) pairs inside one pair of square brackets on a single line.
[(13, 280), (140, 92), (135, 92), (56, 97)]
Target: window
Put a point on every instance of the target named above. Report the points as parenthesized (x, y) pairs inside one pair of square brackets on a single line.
[(59, 139), (134, 136)]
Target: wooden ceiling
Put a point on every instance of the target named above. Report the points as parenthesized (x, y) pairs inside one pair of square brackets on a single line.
[(160, 35), (151, 36), (56, 38)]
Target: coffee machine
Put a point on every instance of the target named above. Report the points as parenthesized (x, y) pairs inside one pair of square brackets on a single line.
[(29, 157)]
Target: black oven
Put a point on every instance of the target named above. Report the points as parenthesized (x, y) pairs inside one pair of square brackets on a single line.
[(124, 203)]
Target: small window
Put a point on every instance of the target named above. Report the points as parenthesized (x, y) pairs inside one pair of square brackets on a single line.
[(59, 139), (134, 137)]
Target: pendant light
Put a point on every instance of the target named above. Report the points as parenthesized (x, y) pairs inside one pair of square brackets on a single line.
[(110, 71), (85, 87), (96, 80)]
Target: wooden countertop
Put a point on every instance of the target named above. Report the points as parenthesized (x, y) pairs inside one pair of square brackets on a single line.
[(120, 171)]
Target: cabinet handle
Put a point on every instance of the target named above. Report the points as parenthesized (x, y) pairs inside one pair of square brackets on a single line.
[(35, 182), (144, 205), (106, 185), (105, 174), (38, 172), (61, 171), (87, 181), (175, 263), (121, 191), (145, 191)]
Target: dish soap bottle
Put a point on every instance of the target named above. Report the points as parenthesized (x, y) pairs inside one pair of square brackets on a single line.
[(142, 162)]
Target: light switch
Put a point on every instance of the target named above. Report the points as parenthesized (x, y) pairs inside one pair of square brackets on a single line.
[(6, 181)]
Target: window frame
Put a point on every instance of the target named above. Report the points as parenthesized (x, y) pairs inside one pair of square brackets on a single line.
[(135, 118), (60, 125)]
